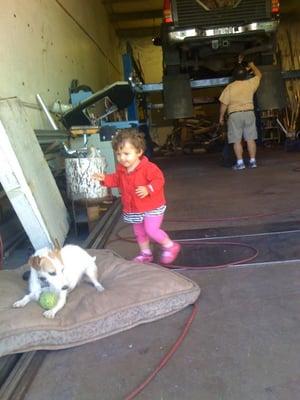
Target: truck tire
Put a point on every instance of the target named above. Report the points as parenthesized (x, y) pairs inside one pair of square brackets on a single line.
[(271, 93), (178, 101)]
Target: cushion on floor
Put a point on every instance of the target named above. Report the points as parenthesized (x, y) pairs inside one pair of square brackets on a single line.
[(135, 294)]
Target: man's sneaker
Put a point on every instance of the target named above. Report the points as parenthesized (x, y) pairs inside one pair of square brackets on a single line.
[(143, 258), (238, 166), (169, 254), (252, 164)]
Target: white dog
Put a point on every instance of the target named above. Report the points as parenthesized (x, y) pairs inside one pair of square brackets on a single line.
[(58, 270)]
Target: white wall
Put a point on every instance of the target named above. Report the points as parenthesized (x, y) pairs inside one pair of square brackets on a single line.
[(47, 43)]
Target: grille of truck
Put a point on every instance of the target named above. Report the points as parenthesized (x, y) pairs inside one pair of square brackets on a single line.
[(191, 14)]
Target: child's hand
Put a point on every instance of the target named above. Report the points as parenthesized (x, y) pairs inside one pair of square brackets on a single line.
[(142, 191), (98, 176)]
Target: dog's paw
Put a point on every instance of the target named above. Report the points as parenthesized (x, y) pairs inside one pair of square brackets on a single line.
[(19, 304), (49, 314), (99, 288)]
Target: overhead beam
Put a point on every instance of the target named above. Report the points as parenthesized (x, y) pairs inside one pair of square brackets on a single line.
[(138, 32), (119, 1), (208, 83), (133, 16)]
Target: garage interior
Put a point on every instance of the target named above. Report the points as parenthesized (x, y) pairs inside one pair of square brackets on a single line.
[(239, 230)]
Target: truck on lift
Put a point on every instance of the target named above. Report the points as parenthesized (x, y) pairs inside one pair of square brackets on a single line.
[(201, 39)]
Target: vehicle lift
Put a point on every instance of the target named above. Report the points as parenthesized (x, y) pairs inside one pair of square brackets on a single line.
[(124, 94)]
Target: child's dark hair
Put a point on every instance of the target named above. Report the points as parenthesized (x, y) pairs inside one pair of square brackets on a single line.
[(131, 136)]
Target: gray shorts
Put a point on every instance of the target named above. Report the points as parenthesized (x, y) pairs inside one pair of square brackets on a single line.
[(241, 125)]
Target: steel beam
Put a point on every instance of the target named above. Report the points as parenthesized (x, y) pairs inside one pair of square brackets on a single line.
[(136, 16), (295, 74), (205, 83), (139, 31)]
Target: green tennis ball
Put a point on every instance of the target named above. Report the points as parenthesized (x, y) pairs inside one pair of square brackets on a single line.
[(48, 300)]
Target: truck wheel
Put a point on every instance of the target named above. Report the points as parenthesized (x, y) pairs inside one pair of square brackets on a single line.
[(171, 61), (271, 93), (178, 101), (266, 59)]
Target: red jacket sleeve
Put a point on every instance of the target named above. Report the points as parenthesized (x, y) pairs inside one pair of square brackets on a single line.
[(111, 180), (155, 177)]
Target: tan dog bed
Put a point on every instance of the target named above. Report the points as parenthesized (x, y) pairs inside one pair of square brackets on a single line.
[(134, 294)]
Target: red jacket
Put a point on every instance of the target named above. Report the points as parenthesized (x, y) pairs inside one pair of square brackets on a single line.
[(145, 174)]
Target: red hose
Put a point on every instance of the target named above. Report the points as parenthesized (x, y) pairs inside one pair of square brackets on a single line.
[(217, 266), (204, 243), (236, 218), (168, 355), (191, 318)]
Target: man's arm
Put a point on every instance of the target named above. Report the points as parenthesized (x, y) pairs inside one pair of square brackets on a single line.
[(255, 70), (223, 108)]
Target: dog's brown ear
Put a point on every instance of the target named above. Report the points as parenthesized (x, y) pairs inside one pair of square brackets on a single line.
[(35, 262), (56, 244), (54, 253)]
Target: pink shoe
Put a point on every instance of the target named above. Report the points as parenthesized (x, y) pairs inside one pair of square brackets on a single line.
[(143, 258), (170, 254)]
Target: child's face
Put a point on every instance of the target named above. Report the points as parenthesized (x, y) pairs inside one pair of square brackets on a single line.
[(128, 155)]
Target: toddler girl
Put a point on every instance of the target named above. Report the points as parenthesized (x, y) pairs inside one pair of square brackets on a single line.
[(141, 184)]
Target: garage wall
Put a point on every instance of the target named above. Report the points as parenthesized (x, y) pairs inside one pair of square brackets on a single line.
[(47, 43), (150, 57), (289, 46)]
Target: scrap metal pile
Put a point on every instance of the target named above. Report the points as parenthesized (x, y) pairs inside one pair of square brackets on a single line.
[(199, 134)]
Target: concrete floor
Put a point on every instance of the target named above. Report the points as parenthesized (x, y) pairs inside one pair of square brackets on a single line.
[(245, 341)]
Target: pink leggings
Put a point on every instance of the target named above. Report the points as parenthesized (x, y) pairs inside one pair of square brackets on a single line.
[(150, 229)]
